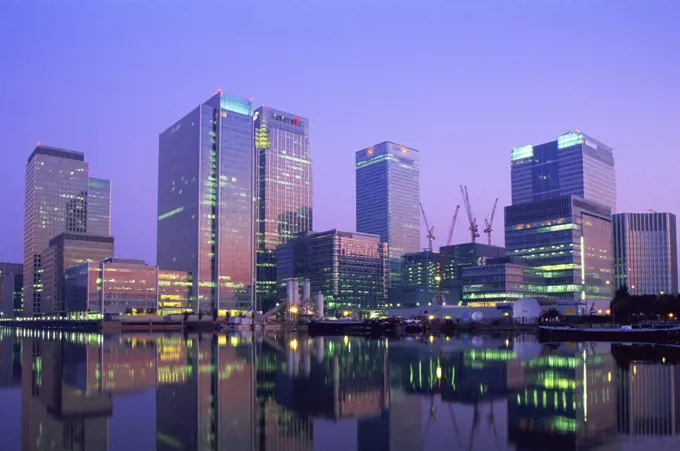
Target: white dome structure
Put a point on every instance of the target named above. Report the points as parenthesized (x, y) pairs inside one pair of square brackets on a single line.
[(526, 310)]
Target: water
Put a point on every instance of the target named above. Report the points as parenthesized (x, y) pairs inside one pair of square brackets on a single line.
[(137, 392)]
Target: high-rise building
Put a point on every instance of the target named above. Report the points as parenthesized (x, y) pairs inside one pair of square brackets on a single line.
[(348, 268), (57, 199), (387, 199), (99, 207), (574, 164), (284, 189), (206, 196), (456, 257), (570, 239), (67, 250), (11, 289), (646, 253)]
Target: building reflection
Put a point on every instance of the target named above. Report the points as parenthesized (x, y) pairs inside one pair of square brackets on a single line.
[(282, 392)]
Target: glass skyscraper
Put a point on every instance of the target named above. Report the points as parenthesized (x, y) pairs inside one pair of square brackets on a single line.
[(646, 253), (284, 189), (570, 240), (387, 199), (56, 201), (574, 164), (206, 198)]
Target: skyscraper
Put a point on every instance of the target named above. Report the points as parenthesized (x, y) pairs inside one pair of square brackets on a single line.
[(646, 253), (284, 189), (387, 198), (563, 194), (99, 207), (574, 164), (205, 201), (57, 197)]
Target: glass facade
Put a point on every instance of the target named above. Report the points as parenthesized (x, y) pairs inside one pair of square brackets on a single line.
[(349, 269), (206, 202), (500, 281), (99, 207), (66, 251), (420, 269), (458, 256), (284, 189), (388, 197), (568, 238), (646, 253), (55, 202), (124, 286), (574, 164)]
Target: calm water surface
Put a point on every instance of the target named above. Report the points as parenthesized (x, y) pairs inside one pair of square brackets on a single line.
[(137, 392)]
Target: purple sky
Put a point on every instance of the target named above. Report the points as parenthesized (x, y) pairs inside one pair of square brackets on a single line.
[(463, 81)]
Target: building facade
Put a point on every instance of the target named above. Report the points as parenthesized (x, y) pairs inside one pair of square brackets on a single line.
[(348, 268), (388, 198), (206, 198), (500, 281), (570, 240), (99, 207), (574, 164), (11, 289), (56, 201), (284, 189), (67, 250), (119, 286), (458, 256), (646, 253)]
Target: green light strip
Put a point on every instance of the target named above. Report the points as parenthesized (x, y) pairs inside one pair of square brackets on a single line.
[(569, 140), (519, 153), (170, 213)]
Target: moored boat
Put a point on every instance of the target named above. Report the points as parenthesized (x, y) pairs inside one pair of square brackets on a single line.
[(649, 334)]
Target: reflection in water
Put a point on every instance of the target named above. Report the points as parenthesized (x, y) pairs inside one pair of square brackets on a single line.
[(280, 392)]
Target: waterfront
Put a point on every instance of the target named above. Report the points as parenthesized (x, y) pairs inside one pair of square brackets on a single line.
[(93, 392)]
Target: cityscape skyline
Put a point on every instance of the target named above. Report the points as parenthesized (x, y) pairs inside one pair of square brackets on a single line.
[(334, 153)]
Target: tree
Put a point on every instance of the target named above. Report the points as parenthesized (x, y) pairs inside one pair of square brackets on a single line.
[(621, 293), (551, 315)]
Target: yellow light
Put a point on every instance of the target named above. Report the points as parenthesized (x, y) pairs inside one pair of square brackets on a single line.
[(507, 342), (663, 359), (293, 344), (599, 311), (609, 376), (439, 372), (233, 341), (670, 315), (404, 150), (431, 339), (293, 309), (345, 339), (430, 317), (345, 313), (437, 278), (609, 312)]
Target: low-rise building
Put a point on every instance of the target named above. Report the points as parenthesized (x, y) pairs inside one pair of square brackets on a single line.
[(11, 289), (501, 281), (120, 286), (66, 251), (458, 256), (349, 268)]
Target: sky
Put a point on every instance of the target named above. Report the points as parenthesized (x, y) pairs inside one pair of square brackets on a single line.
[(463, 81)]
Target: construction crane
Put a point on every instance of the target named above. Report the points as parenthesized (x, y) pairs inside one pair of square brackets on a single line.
[(489, 221), (453, 226), (430, 230), (443, 256), (474, 229)]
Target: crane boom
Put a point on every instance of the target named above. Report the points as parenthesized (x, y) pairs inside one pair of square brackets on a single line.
[(474, 229), (430, 230), (489, 222), (453, 226)]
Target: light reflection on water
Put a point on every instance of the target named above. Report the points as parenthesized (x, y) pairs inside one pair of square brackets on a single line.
[(90, 392)]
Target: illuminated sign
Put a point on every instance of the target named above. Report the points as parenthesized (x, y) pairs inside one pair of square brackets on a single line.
[(288, 120), (236, 104), (370, 151), (569, 140), (519, 153)]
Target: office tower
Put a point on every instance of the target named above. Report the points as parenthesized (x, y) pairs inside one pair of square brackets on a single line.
[(57, 197), (205, 202), (570, 239), (646, 253), (574, 164), (454, 258), (11, 289), (387, 199), (349, 268), (99, 207), (284, 190)]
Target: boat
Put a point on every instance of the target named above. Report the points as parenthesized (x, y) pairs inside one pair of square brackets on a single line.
[(633, 334)]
